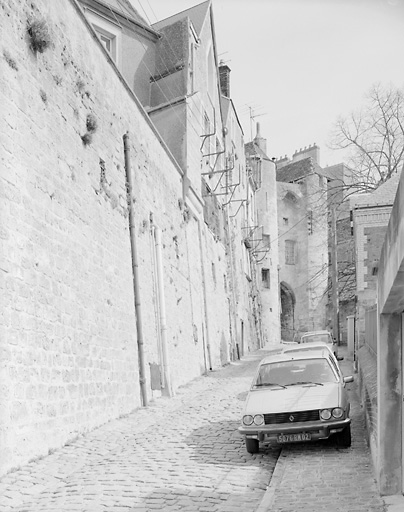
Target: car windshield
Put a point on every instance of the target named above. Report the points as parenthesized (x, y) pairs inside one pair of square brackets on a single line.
[(289, 373), (324, 338)]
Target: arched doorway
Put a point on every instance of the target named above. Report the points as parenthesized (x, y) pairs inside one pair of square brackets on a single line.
[(288, 301)]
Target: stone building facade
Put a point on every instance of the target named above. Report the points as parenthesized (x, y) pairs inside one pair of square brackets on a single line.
[(82, 111), (262, 235), (303, 242), (341, 246), (389, 446), (370, 219)]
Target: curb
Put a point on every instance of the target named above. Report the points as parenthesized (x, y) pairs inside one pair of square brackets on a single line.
[(276, 479)]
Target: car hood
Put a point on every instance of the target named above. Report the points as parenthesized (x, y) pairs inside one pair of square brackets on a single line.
[(293, 398)]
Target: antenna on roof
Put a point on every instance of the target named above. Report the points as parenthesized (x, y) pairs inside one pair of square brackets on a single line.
[(253, 115)]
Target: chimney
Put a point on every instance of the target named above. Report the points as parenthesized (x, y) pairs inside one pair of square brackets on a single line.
[(311, 151), (281, 162), (224, 78), (260, 141)]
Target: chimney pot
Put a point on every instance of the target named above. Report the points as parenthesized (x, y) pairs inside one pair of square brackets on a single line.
[(224, 79)]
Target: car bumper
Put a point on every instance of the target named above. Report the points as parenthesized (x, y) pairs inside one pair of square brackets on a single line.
[(316, 429)]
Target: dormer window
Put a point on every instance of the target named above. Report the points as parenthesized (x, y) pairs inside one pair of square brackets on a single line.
[(108, 41), (108, 32)]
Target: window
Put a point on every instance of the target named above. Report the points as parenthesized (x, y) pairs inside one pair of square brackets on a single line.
[(108, 32), (266, 240), (266, 277), (290, 257), (108, 40), (246, 263), (208, 145)]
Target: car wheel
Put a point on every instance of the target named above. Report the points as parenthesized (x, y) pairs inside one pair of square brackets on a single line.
[(344, 437), (252, 445)]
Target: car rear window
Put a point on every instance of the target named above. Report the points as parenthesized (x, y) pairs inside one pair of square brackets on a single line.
[(286, 373), (324, 338)]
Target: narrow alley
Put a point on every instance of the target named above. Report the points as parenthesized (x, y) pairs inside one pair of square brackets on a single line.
[(184, 454), (179, 454)]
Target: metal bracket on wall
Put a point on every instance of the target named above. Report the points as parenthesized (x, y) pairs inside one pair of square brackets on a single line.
[(236, 201), (217, 153), (223, 172)]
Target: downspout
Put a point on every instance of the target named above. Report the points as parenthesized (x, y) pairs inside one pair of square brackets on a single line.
[(135, 266), (167, 389), (205, 300), (233, 300)]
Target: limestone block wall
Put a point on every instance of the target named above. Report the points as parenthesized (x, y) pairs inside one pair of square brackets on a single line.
[(292, 225), (69, 357), (267, 217), (367, 373), (370, 225), (317, 251)]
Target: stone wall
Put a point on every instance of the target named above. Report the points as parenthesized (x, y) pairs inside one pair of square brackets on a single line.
[(370, 225), (69, 358), (367, 373)]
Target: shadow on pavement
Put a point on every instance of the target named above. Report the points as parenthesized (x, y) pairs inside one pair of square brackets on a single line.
[(194, 498), (220, 443)]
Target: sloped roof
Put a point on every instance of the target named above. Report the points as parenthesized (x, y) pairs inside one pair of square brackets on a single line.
[(227, 104), (252, 148), (125, 8), (297, 170), (196, 14), (225, 107), (382, 196)]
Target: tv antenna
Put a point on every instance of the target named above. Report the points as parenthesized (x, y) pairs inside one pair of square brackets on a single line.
[(253, 115)]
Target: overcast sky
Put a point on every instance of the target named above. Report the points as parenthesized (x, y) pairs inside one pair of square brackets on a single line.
[(301, 63)]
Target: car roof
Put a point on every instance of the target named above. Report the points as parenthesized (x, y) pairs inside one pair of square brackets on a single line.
[(288, 353), (315, 332)]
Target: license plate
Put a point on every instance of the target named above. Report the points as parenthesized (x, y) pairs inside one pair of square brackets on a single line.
[(294, 438)]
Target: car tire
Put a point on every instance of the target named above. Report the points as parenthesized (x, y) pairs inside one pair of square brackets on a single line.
[(252, 446), (344, 439)]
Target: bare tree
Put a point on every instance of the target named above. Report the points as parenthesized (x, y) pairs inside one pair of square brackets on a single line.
[(375, 136)]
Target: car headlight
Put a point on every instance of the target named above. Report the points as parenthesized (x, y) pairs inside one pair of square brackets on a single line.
[(338, 412), (325, 414), (247, 420), (258, 419)]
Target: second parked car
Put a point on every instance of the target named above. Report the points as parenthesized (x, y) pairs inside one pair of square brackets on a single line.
[(319, 337)]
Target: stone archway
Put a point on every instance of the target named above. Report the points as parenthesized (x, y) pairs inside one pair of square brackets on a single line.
[(288, 301)]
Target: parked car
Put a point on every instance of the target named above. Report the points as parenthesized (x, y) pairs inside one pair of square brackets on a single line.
[(319, 337), (297, 394)]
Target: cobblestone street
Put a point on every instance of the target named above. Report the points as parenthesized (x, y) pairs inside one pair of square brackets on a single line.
[(184, 454), (320, 477), (178, 454)]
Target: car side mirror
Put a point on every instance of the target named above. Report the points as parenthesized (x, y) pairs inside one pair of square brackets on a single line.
[(348, 379)]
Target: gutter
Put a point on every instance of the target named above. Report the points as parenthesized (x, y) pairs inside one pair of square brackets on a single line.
[(166, 384), (135, 267)]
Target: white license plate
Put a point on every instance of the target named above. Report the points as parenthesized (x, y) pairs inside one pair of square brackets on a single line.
[(294, 438)]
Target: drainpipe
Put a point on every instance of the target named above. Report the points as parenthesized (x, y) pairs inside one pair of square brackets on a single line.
[(231, 283), (135, 267), (205, 300), (167, 389)]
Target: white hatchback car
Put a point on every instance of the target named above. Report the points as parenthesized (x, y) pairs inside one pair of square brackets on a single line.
[(319, 337), (297, 394)]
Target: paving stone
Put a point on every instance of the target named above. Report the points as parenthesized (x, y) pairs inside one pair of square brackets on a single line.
[(320, 476), (184, 455), (179, 454)]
